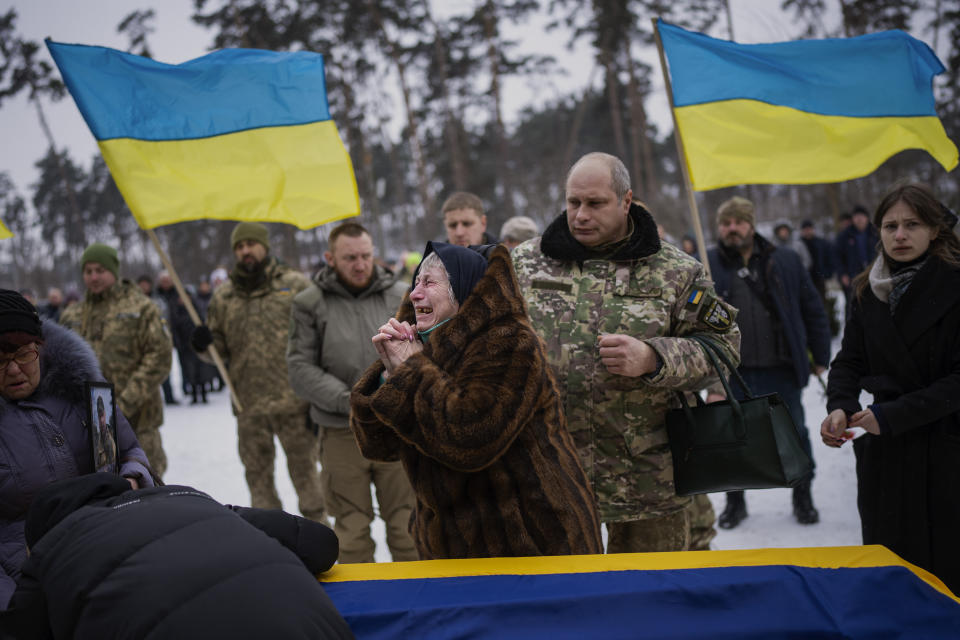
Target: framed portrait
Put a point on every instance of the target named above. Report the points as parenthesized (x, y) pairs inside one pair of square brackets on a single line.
[(102, 418)]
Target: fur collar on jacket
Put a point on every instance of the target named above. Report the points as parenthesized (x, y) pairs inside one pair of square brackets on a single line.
[(495, 297), (558, 243), (66, 362)]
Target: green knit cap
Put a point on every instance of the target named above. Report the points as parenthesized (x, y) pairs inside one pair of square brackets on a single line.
[(102, 255), (249, 231)]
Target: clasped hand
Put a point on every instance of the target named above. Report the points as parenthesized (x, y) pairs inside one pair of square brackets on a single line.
[(395, 342)]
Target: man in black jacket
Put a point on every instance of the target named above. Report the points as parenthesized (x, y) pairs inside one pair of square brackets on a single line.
[(781, 317), (168, 562)]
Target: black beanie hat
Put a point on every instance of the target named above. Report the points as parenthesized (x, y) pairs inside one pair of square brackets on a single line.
[(17, 315), (464, 266)]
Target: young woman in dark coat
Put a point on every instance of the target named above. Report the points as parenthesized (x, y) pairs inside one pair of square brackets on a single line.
[(168, 562), (902, 344), (464, 396)]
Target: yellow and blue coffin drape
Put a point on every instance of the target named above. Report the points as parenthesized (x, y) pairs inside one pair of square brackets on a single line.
[(802, 112), (836, 592), (238, 134)]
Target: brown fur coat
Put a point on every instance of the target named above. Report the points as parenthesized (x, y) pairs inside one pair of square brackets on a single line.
[(477, 421)]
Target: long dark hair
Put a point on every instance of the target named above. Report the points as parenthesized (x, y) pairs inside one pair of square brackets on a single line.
[(919, 197)]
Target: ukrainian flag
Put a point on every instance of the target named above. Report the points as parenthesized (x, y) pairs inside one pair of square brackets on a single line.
[(238, 134), (837, 592), (802, 112)]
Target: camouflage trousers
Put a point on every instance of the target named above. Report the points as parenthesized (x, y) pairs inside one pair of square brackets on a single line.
[(257, 452), (702, 518), (347, 476), (151, 444), (666, 533)]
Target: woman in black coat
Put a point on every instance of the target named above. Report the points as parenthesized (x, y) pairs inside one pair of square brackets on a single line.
[(902, 344)]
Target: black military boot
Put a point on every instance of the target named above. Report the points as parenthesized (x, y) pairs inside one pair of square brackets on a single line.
[(735, 511), (803, 509)]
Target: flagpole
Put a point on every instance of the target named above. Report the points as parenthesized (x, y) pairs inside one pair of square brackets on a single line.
[(188, 303), (691, 195)]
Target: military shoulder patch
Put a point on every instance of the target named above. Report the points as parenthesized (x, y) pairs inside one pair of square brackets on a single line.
[(696, 296), (715, 315)]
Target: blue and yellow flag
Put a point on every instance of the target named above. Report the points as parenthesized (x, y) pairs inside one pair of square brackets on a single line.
[(238, 134), (801, 112), (843, 592)]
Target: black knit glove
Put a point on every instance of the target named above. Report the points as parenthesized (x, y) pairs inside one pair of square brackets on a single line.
[(201, 338)]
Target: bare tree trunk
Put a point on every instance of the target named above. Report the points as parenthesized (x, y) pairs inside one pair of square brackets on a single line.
[(503, 152), (577, 123), (67, 183), (454, 148), (613, 97), (426, 200), (646, 182), (726, 5)]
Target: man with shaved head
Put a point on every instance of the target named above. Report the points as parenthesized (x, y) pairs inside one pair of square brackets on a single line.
[(614, 306)]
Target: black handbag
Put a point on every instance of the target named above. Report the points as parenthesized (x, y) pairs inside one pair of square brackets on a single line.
[(734, 444)]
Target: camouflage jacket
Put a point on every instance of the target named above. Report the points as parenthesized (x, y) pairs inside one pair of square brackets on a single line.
[(132, 344), (250, 330), (330, 340), (652, 292)]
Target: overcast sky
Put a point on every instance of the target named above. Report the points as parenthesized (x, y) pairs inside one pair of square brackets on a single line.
[(177, 39)]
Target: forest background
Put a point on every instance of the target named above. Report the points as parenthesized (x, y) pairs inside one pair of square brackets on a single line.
[(432, 97)]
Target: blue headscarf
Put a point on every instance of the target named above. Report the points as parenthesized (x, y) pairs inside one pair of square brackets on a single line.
[(464, 266)]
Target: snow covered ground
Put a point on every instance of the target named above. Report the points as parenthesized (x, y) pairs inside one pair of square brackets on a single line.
[(201, 445)]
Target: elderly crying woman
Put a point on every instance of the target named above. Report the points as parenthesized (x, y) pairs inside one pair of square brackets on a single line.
[(464, 397)]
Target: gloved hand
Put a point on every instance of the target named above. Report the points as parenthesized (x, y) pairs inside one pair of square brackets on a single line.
[(201, 338)]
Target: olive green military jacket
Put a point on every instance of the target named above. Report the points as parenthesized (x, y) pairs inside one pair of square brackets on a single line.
[(250, 330), (330, 344), (132, 344), (617, 422)]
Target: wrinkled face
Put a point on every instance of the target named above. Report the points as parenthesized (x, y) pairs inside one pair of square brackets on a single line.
[(19, 381), (735, 233), (594, 213), (96, 278), (249, 253), (431, 298), (464, 226), (352, 258), (904, 235)]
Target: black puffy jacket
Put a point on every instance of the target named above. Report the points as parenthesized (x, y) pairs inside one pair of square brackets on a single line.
[(168, 562)]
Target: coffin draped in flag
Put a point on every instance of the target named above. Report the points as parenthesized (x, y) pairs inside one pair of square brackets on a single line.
[(837, 592), (238, 134), (802, 112)]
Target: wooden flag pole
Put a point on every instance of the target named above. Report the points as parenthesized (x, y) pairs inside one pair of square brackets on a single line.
[(188, 302), (691, 195)]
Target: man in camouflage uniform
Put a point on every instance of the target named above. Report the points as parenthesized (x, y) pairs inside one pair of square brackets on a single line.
[(248, 322), (330, 347), (132, 345), (613, 305)]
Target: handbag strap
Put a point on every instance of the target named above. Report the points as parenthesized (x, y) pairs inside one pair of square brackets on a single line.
[(714, 351)]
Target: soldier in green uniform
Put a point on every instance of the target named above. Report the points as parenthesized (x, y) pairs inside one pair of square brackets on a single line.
[(131, 341), (248, 321), (613, 305)]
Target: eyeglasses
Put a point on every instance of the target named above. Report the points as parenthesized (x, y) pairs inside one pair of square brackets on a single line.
[(21, 357)]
